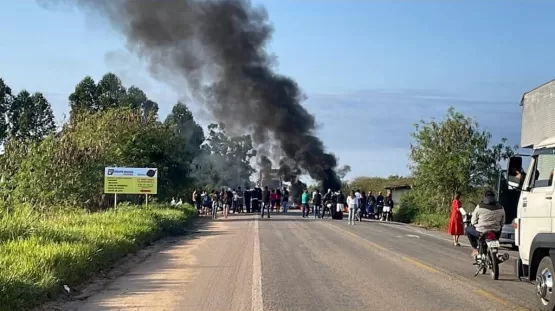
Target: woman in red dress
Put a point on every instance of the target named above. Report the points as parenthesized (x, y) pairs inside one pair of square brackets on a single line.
[(456, 226)]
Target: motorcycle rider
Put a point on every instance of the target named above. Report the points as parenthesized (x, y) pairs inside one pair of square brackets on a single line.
[(487, 216)]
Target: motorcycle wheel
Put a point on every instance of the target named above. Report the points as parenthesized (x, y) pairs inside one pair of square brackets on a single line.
[(494, 266)]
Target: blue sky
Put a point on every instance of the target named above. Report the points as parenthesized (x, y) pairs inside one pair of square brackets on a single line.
[(371, 69)]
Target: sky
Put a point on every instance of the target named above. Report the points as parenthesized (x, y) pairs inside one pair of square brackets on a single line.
[(370, 69)]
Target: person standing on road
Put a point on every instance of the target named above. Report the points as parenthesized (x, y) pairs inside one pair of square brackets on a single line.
[(328, 204), (247, 198), (304, 202), (388, 206), (456, 226), (362, 206), (357, 197), (340, 204), (239, 200), (285, 199), (352, 203), (228, 202), (266, 201), (205, 203), (255, 200), (371, 204), (379, 205), (273, 199), (213, 202), (317, 203)]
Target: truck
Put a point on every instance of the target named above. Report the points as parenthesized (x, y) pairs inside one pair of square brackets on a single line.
[(535, 222), (274, 181)]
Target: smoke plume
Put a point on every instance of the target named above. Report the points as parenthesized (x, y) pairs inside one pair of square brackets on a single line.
[(265, 170), (219, 48)]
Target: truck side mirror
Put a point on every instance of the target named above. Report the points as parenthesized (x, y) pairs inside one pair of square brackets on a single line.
[(515, 173)]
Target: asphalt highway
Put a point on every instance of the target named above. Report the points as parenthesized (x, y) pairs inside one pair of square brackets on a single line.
[(290, 263)]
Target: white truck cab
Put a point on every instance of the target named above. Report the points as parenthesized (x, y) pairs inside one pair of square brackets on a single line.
[(535, 222)]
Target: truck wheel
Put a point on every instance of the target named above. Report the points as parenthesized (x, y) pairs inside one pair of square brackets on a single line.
[(544, 285)]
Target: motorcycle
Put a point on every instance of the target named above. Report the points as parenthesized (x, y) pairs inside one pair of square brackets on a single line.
[(488, 255)]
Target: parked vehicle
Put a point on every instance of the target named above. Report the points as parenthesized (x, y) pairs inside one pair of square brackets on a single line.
[(508, 235)]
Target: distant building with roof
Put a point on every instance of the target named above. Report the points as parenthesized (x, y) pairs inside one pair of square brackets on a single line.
[(398, 191)]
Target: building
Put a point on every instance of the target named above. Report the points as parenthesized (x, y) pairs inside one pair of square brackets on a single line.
[(397, 192)]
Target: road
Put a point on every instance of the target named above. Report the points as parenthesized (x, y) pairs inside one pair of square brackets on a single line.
[(290, 263)]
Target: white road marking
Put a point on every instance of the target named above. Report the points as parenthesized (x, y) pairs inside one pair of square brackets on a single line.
[(413, 236), (409, 228), (257, 303)]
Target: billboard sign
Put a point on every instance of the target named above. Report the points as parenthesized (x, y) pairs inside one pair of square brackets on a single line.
[(130, 180)]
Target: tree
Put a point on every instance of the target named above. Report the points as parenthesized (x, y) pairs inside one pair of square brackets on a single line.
[(185, 127), (224, 161), (137, 99), (452, 156), (5, 102), (68, 168), (30, 116), (85, 96), (109, 93)]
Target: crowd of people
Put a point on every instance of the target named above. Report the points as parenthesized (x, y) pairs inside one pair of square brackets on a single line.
[(358, 204), (255, 200)]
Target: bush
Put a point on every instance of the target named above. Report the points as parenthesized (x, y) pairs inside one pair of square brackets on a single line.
[(432, 220), (407, 210), (39, 255), (419, 210)]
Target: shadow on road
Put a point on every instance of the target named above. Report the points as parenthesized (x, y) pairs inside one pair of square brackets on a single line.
[(152, 270)]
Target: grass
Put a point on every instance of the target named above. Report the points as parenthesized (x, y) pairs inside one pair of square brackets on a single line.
[(432, 220), (41, 253), (408, 213)]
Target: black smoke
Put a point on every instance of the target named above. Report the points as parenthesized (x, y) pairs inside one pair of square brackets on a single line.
[(265, 165), (218, 47)]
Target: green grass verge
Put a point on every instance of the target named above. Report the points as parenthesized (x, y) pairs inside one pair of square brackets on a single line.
[(39, 253), (432, 220)]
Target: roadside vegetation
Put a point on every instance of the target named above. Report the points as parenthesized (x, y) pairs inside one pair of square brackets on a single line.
[(39, 254), (56, 225), (447, 156)]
